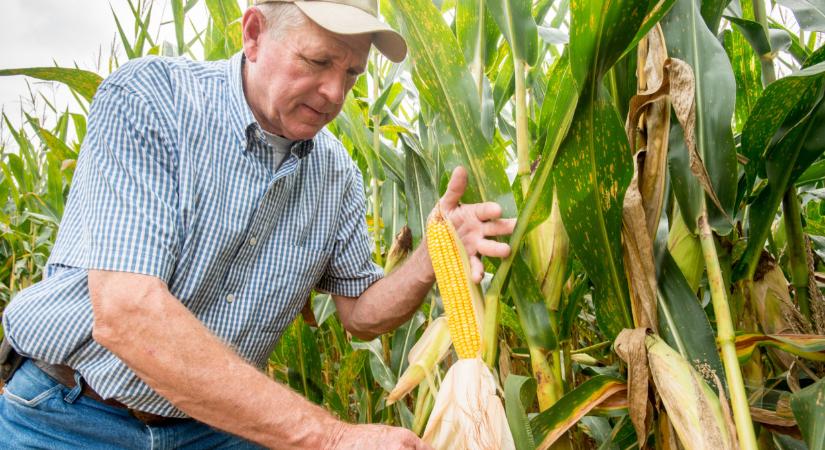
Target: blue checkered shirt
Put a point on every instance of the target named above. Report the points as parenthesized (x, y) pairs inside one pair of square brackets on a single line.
[(176, 180)]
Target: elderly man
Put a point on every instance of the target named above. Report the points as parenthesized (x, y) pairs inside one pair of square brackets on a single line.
[(207, 202)]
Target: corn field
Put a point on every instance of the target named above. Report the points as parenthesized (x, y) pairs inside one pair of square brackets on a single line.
[(664, 159)]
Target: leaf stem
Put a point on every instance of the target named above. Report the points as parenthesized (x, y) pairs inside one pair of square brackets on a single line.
[(797, 249), (725, 337), (376, 145), (761, 16)]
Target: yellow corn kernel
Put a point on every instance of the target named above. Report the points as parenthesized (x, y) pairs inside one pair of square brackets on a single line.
[(461, 298)]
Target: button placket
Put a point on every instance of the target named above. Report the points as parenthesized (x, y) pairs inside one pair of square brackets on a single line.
[(261, 224)]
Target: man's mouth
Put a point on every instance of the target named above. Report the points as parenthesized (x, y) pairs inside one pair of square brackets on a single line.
[(315, 111)]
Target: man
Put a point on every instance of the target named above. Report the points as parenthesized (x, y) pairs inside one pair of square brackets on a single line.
[(207, 202)]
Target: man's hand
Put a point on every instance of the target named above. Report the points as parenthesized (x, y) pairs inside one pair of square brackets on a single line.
[(474, 223), (358, 437)]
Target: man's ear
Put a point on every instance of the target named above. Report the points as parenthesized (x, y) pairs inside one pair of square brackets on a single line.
[(254, 27)]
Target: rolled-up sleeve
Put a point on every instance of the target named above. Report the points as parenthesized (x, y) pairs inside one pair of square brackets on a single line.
[(351, 270), (126, 187)]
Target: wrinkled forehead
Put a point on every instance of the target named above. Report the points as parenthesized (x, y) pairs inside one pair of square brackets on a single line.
[(312, 36)]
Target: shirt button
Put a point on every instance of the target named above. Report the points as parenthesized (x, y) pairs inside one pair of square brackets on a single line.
[(230, 298), (253, 240)]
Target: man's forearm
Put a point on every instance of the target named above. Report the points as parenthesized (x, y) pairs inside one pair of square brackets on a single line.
[(184, 362), (391, 301)]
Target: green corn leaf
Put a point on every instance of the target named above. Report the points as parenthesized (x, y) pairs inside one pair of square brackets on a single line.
[(754, 33), (592, 171), (530, 306), (784, 135), (809, 14), (403, 340), (600, 33), (515, 20), (814, 173), (421, 193), (323, 307), (178, 16), (808, 406), (689, 39), (712, 13), (226, 15), (593, 165), (556, 114), (682, 321), (504, 84), (519, 393), (477, 37), (83, 82), (378, 366), (747, 72), (553, 422), (443, 82), (658, 10)]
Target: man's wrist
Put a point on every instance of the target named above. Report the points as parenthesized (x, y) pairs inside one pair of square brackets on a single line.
[(425, 272), (334, 432)]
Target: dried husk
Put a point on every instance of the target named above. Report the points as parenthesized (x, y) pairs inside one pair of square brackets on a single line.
[(693, 408), (467, 413)]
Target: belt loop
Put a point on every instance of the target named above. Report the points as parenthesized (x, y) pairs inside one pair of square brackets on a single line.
[(72, 396)]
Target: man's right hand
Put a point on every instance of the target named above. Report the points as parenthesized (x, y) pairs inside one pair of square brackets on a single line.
[(359, 437)]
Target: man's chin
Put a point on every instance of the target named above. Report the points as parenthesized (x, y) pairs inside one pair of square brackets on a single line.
[(303, 132)]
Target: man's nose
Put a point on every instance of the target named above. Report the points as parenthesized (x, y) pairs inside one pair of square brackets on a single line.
[(333, 88)]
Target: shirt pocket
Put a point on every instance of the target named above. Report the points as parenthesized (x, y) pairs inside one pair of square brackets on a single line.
[(292, 283)]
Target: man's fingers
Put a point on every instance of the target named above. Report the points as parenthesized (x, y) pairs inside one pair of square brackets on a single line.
[(487, 211), (499, 227), (455, 189), (493, 249), (476, 269)]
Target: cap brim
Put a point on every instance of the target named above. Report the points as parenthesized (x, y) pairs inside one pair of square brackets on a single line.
[(345, 19)]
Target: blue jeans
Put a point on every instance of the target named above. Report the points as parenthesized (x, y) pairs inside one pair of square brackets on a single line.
[(36, 412)]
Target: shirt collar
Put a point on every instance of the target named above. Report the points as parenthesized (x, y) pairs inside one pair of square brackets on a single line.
[(245, 125)]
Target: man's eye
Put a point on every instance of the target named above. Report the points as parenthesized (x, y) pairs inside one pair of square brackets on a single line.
[(318, 62)]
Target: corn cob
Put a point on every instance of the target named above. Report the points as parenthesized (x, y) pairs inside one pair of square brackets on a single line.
[(461, 297)]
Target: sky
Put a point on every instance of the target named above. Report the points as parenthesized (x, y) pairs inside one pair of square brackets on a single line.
[(40, 32), (36, 33)]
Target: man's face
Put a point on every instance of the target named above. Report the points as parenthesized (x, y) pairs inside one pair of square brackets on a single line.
[(296, 82)]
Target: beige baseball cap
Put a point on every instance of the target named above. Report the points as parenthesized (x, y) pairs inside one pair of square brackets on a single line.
[(353, 17)]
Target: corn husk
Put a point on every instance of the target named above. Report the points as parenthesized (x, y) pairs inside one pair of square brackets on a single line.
[(686, 250), (468, 415), (693, 408), (399, 250), (423, 357)]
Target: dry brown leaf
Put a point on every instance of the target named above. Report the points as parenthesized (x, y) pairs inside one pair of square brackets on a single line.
[(637, 251), (771, 417), (665, 434), (504, 358), (657, 134), (630, 346)]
